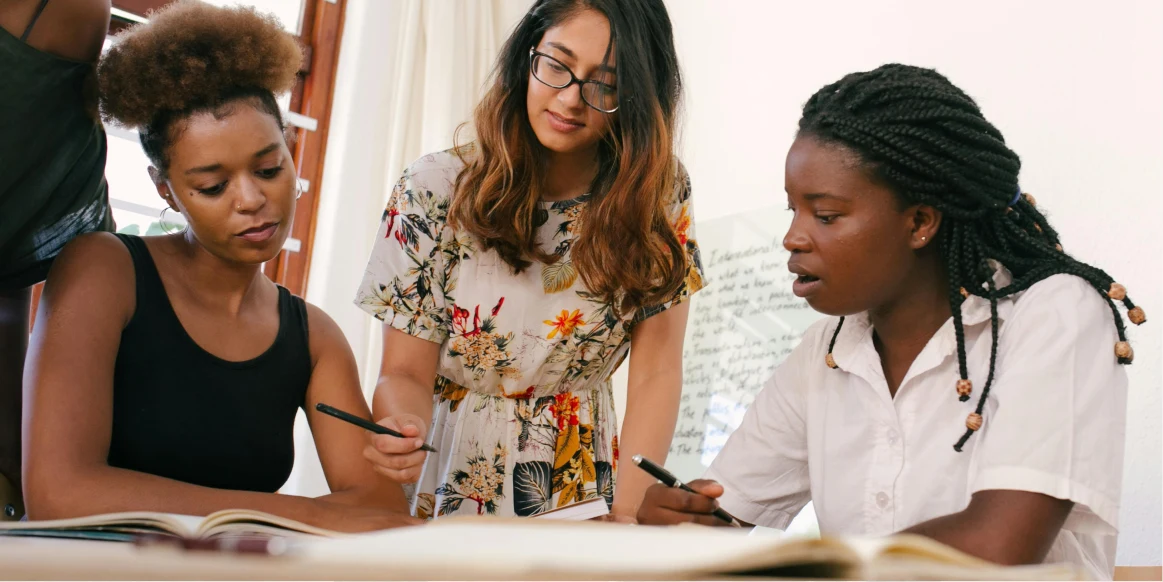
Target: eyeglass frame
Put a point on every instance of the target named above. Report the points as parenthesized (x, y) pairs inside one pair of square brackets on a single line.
[(573, 80)]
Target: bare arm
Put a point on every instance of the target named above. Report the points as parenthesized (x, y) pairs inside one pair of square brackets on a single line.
[(653, 392), (403, 401), (68, 408), (335, 381), (1004, 527)]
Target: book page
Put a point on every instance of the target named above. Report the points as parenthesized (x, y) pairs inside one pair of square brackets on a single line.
[(528, 548), (742, 325), (183, 525), (243, 520), (587, 509)]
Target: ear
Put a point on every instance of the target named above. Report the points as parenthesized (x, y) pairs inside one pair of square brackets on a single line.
[(163, 188), (926, 222)]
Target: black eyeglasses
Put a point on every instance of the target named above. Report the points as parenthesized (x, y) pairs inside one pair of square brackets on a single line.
[(551, 72)]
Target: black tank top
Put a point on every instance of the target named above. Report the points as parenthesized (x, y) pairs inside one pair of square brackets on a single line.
[(182, 413)]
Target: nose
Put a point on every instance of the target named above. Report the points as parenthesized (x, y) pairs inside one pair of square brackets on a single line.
[(570, 96), (796, 239), (251, 197)]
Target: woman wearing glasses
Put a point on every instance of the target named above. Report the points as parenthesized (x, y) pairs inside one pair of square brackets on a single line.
[(514, 273)]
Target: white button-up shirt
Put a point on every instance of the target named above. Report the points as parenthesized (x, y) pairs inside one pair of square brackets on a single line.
[(873, 464)]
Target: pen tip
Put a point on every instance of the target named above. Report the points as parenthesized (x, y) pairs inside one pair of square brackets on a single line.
[(637, 459)]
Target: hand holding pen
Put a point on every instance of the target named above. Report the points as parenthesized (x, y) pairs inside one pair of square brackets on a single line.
[(397, 450), (672, 501)]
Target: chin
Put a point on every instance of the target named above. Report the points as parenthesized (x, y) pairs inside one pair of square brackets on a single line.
[(832, 308), (563, 144)]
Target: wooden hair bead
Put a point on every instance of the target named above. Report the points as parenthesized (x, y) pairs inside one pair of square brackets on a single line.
[(828, 359), (1030, 200), (1037, 227), (973, 422), (1058, 248), (964, 293), (1124, 352), (1117, 292), (1137, 316), (964, 387)]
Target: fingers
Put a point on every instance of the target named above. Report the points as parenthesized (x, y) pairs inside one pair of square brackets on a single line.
[(390, 445), (707, 487), (662, 516), (413, 435), (402, 468), (664, 505)]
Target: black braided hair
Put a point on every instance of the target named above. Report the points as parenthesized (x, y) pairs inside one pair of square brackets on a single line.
[(930, 143)]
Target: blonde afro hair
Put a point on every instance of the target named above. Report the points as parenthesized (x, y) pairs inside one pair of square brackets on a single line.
[(192, 56)]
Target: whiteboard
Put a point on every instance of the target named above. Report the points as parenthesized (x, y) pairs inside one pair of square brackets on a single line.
[(742, 325)]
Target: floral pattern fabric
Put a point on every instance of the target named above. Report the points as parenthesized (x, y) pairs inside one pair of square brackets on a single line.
[(523, 408)]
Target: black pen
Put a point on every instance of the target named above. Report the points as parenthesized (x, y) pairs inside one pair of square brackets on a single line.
[(668, 479), (357, 421)]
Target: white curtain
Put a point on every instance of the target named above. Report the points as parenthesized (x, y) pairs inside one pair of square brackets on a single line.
[(410, 72)]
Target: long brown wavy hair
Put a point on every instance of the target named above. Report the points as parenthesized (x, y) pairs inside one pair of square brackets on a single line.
[(626, 252)]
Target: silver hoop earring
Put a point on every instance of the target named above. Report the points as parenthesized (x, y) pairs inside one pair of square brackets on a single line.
[(162, 221)]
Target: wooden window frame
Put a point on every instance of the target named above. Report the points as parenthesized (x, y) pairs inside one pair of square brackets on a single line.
[(320, 35)]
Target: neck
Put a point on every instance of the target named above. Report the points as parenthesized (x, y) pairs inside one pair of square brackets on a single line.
[(569, 175), (214, 281), (909, 321)]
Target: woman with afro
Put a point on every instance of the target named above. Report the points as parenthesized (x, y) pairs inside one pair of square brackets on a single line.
[(165, 373)]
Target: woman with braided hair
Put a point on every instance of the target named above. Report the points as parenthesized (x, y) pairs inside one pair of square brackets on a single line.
[(165, 372), (970, 389)]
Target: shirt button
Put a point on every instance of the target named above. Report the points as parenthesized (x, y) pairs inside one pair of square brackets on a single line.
[(882, 500), (892, 437)]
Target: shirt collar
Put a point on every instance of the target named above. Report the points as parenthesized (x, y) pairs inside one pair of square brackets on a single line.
[(855, 338)]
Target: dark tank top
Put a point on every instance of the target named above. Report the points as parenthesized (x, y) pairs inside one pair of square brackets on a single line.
[(182, 413), (52, 158)]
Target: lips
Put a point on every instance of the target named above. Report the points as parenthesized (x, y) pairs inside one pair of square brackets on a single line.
[(806, 282), (260, 233), (563, 124)]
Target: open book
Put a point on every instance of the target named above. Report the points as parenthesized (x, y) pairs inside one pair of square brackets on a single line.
[(532, 550), (123, 526), (243, 522)]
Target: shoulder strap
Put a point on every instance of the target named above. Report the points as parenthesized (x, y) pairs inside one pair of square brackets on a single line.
[(32, 23), (294, 332), (293, 311), (147, 279)]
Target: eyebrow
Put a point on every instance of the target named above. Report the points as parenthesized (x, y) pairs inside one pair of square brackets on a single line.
[(822, 196), (570, 54), (215, 167)]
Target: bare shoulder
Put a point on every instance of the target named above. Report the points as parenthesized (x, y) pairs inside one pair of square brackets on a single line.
[(325, 335), (71, 29), (94, 268)]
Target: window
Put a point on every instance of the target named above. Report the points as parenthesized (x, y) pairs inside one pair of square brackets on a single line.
[(136, 205)]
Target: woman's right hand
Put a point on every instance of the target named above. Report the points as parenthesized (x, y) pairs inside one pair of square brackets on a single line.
[(399, 459), (670, 505)]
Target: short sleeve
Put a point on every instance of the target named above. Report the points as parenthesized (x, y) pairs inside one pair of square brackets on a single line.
[(763, 467), (1056, 419), (405, 282), (682, 219)]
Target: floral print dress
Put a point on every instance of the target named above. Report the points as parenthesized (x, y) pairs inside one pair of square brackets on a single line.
[(523, 407)]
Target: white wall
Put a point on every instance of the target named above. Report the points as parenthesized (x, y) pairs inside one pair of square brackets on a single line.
[(1076, 86)]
